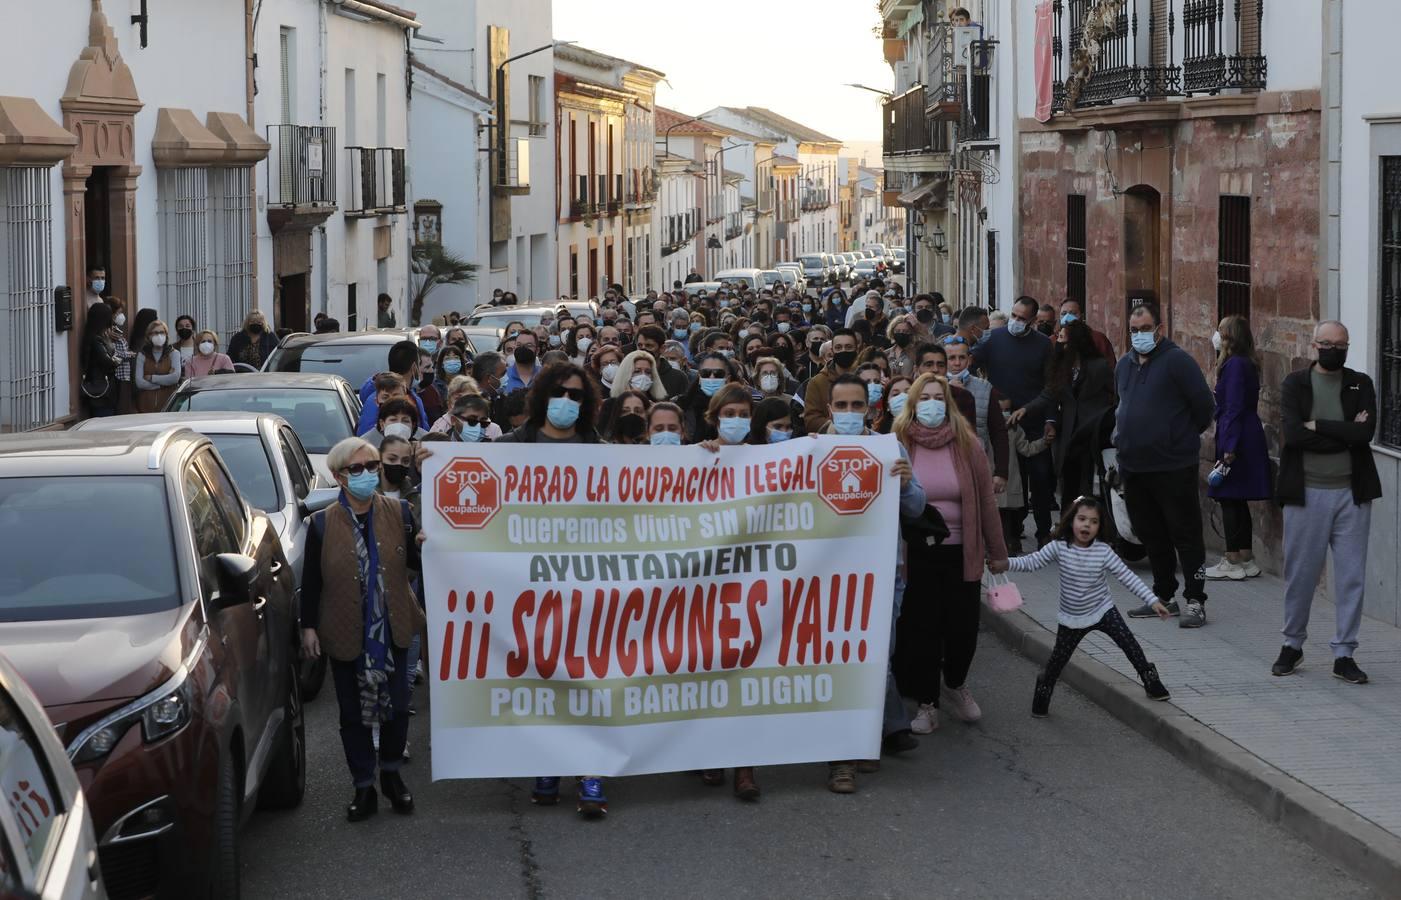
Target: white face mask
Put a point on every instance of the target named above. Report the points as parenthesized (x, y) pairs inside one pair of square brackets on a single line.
[(119, 319), (768, 382), (1216, 341), (157, 340), (206, 347), (641, 382), (609, 372), (398, 430)]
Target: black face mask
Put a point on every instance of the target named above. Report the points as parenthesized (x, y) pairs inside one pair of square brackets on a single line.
[(845, 359), (184, 333), (255, 328), (630, 426), (525, 356), (903, 338), (925, 315), (1331, 359), (395, 474), (1047, 328)]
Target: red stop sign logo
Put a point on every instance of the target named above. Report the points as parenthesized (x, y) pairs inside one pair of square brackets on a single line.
[(849, 480), (468, 493)]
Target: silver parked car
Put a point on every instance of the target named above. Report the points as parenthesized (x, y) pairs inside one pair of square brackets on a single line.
[(48, 847), (271, 470)]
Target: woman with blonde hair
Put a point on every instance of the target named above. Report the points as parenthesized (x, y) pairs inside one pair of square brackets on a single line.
[(462, 386), (1240, 447), (156, 369), (638, 372), (254, 342), (937, 633), (207, 358)]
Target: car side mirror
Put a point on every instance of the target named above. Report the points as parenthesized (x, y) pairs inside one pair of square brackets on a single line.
[(318, 499), (238, 577)]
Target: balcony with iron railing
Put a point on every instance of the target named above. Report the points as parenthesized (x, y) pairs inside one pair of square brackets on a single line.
[(642, 187), (816, 198), (1140, 56), (510, 172), (302, 166), (913, 140), (734, 226), (976, 89), (788, 210), (376, 181)]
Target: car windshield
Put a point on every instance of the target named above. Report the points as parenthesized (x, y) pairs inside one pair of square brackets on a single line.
[(500, 318), (810, 260), (353, 362), (315, 415), (772, 278), (252, 471), (122, 559)]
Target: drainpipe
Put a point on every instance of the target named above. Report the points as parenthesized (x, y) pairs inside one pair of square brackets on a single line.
[(250, 89)]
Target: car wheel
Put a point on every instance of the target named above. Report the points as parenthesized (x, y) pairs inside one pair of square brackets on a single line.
[(284, 785), (313, 675), (224, 872)]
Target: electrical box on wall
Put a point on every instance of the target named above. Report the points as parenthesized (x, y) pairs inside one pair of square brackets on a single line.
[(63, 308)]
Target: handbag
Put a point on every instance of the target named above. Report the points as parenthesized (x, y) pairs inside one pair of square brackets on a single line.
[(95, 385), (1218, 474), (926, 530), (1003, 596)]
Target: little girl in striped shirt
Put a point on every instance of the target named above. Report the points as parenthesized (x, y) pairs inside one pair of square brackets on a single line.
[(1085, 604)]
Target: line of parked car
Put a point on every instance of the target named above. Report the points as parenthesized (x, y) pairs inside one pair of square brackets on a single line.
[(163, 644), (822, 269)]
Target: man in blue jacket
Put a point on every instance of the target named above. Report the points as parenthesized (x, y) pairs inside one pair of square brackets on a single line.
[(1164, 406), (403, 361)]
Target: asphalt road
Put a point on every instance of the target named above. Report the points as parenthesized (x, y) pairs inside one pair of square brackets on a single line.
[(1076, 805)]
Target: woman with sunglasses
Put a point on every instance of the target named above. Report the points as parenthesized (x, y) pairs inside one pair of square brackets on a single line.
[(713, 372), (364, 623)]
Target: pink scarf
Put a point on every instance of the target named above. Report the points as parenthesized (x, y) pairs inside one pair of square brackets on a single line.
[(932, 439)]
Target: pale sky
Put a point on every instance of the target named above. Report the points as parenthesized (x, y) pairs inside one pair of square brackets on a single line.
[(792, 56)]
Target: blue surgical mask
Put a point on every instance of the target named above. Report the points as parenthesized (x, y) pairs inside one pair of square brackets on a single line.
[(694, 327), (807, 307), (429, 345), (1143, 341), (848, 422), (873, 392), (960, 377), (472, 433), (362, 486), (555, 340), (734, 430), (709, 386), (946, 318), (98, 285), (562, 412), (1016, 327), (679, 333), (783, 327), (452, 366), (985, 337), (1067, 318), (930, 413), (778, 437), (665, 439), (897, 404)]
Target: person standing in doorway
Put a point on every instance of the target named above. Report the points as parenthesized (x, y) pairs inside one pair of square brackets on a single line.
[(1240, 447), (1327, 482), (1164, 406), (97, 283), (386, 312)]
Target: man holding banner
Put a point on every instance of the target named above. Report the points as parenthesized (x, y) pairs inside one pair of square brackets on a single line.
[(623, 612)]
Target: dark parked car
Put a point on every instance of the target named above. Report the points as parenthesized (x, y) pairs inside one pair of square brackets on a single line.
[(353, 355), (161, 638)]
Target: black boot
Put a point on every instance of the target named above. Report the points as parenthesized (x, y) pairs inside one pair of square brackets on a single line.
[(397, 792), (1152, 685), (364, 805), (1041, 699)]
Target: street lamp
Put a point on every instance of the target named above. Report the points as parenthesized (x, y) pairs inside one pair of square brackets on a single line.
[(667, 133), (939, 241), (502, 124), (886, 94), (917, 229)]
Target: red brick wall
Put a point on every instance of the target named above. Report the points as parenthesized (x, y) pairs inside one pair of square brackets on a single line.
[(1274, 159)]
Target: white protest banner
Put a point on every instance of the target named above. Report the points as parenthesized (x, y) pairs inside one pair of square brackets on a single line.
[(618, 610)]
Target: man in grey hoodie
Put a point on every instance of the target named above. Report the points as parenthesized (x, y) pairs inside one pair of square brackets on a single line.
[(1164, 406)]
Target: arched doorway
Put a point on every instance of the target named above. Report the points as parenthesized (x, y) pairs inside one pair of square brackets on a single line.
[(99, 179), (1142, 248)]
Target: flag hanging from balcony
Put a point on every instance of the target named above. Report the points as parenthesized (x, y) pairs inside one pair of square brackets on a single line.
[(1044, 53)]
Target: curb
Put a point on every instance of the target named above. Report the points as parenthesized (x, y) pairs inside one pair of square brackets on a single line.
[(1363, 848)]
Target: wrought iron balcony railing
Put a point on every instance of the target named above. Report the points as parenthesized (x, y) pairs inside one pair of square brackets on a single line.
[(302, 164), (376, 181), (908, 128), (1207, 67)]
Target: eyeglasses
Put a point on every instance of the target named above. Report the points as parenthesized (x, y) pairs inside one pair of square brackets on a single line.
[(955, 339), (1143, 329), (713, 373), (575, 394), (475, 420), (361, 468)]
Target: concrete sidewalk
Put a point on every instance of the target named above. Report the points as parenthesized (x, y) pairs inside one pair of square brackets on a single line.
[(1319, 755)]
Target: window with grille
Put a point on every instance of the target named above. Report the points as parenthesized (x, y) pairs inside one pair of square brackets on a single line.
[(206, 251), (1076, 249), (26, 302), (1233, 258), (537, 105), (992, 270), (287, 53), (1389, 283)]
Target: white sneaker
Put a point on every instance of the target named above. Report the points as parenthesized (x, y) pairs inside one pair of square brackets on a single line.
[(1224, 570), (962, 703), (926, 720), (1250, 569)]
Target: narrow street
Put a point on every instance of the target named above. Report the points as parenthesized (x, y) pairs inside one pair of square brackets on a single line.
[(938, 823)]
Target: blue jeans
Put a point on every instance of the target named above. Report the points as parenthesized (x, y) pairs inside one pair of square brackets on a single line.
[(356, 738)]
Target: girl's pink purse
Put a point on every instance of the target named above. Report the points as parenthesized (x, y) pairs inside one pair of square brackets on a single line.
[(1003, 596)]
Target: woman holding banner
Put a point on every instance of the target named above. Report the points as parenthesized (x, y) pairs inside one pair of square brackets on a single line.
[(561, 408), (938, 628)]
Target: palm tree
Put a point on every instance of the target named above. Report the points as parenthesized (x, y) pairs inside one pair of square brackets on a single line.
[(434, 266)]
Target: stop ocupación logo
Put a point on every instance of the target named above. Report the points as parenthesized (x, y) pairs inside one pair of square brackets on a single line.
[(849, 480), (468, 493)]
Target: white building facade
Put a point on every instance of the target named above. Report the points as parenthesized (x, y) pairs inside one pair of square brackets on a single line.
[(678, 219)]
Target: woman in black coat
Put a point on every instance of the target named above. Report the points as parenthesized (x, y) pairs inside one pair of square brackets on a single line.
[(254, 343), (1079, 393), (99, 359)]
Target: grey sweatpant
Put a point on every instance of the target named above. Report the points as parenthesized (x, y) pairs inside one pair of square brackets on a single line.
[(1328, 518)]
